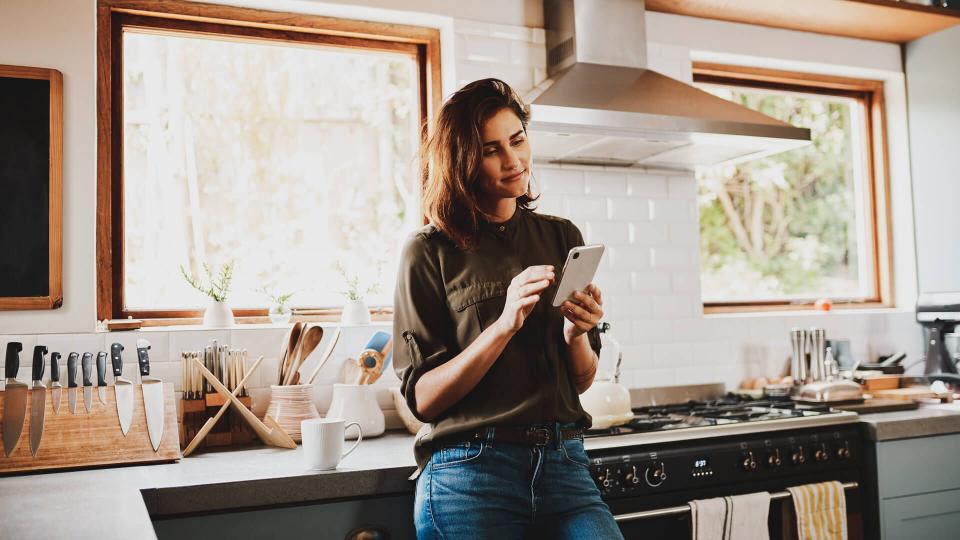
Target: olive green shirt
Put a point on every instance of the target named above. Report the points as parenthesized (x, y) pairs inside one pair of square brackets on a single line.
[(445, 297)]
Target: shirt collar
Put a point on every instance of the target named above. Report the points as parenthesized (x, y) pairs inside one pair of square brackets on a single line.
[(504, 227)]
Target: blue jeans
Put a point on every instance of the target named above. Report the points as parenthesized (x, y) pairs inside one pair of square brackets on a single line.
[(502, 491)]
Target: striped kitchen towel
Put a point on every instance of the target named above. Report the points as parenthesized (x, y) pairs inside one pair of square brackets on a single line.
[(821, 511)]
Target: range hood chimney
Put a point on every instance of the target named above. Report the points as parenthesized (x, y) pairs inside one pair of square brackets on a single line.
[(601, 105)]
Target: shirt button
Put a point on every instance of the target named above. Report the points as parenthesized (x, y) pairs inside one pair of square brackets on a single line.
[(501, 228)]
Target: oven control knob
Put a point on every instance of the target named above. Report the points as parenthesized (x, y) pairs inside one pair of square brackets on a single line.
[(606, 479), (748, 463), (799, 457), (632, 478), (821, 454), (843, 452), (773, 459), (655, 474)]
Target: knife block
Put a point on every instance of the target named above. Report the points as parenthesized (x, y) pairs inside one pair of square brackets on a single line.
[(231, 430), (81, 440)]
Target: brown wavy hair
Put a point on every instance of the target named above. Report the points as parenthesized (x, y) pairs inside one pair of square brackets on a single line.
[(450, 158)]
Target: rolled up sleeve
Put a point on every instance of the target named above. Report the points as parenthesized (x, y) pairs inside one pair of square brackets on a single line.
[(421, 318)]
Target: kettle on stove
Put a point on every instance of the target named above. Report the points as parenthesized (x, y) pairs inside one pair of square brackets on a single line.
[(607, 401)]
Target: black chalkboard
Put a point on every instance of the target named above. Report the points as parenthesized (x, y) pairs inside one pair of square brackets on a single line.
[(30, 188)]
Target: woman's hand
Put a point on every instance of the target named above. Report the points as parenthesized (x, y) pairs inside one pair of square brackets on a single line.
[(522, 295), (582, 312)]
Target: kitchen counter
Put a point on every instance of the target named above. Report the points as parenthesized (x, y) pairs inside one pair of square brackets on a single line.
[(927, 421), (119, 502)]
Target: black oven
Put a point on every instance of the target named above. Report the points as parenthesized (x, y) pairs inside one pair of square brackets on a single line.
[(648, 487)]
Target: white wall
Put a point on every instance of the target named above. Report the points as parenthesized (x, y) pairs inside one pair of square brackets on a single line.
[(61, 35), (648, 218)]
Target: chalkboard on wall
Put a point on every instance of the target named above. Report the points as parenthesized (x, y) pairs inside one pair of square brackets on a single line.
[(31, 168)]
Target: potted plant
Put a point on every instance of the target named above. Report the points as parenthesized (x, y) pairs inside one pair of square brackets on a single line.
[(355, 310), (279, 312), (217, 288)]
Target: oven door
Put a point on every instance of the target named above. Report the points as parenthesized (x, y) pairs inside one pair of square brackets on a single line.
[(668, 516)]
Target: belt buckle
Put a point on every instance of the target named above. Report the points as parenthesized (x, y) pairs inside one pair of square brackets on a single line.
[(540, 436)]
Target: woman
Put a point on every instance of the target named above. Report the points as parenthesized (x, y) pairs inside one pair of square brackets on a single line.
[(494, 370)]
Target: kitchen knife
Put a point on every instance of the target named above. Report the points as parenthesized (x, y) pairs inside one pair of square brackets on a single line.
[(14, 399), (72, 382), (102, 376), (86, 364), (56, 389), (38, 399), (152, 389), (122, 389)]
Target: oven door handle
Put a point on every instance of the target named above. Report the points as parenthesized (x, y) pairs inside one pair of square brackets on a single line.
[(677, 510)]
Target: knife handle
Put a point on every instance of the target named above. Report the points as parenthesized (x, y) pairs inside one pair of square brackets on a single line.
[(116, 359), (12, 364), (86, 364), (143, 360), (101, 368), (39, 352), (54, 367), (72, 370)]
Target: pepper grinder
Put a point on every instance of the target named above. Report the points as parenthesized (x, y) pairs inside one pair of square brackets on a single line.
[(817, 348), (798, 362)]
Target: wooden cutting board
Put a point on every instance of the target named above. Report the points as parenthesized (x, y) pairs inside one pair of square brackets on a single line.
[(910, 394), (879, 405)]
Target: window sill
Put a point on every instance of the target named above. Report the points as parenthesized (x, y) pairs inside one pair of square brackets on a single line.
[(786, 311), (378, 317)]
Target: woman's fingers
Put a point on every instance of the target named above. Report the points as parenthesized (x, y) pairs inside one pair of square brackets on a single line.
[(578, 315), (594, 291), (587, 302), (533, 274), (532, 288)]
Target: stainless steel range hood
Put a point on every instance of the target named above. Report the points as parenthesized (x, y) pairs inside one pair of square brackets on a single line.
[(602, 106)]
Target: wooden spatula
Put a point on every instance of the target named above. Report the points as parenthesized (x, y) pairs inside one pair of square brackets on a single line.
[(308, 342), (326, 355), (292, 339)]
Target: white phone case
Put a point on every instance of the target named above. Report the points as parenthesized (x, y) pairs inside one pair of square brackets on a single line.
[(578, 271)]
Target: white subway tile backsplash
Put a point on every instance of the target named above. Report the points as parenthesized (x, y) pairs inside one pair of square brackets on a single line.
[(671, 306), (648, 233), (671, 354), (673, 210), (606, 183), (607, 233), (627, 257), (614, 281), (683, 187), (653, 330), (528, 54), (629, 209), (686, 282), (588, 208), (649, 282), (618, 307), (651, 378), (646, 185), (685, 233), (668, 258), (561, 181)]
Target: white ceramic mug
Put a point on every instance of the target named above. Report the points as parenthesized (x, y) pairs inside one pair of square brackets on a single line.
[(323, 442)]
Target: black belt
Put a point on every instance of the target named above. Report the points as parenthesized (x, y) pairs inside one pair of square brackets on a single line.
[(526, 436)]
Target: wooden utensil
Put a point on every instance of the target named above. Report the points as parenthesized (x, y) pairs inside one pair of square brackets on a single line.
[(271, 435), (208, 425), (326, 355), (292, 339), (308, 342)]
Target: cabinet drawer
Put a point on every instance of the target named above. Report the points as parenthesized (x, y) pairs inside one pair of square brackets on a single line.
[(930, 516), (915, 466)]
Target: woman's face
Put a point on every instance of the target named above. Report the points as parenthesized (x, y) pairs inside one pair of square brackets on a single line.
[(505, 167)]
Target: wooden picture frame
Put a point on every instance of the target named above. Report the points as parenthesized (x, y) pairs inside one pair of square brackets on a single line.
[(21, 255)]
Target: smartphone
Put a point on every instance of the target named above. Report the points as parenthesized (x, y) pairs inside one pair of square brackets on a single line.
[(578, 271)]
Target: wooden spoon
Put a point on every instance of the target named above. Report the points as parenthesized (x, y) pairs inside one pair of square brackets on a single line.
[(292, 339), (326, 355), (308, 342)]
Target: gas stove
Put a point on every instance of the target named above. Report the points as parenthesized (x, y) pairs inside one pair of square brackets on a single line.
[(729, 415), (667, 455)]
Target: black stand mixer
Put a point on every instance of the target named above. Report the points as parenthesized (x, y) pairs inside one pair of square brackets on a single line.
[(939, 314)]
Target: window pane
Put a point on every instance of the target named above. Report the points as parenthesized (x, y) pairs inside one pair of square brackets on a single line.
[(796, 225), (285, 159)]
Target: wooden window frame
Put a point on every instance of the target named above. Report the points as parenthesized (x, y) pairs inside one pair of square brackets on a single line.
[(181, 16), (868, 92)]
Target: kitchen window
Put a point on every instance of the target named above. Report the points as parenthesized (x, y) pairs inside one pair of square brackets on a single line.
[(282, 143), (784, 231)]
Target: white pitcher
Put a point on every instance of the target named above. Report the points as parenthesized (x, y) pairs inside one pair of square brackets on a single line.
[(357, 403)]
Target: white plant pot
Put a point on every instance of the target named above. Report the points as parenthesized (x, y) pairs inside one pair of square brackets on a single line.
[(355, 312), (218, 315), (278, 316)]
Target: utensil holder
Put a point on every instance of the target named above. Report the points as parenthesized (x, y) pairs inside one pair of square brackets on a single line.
[(290, 405)]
